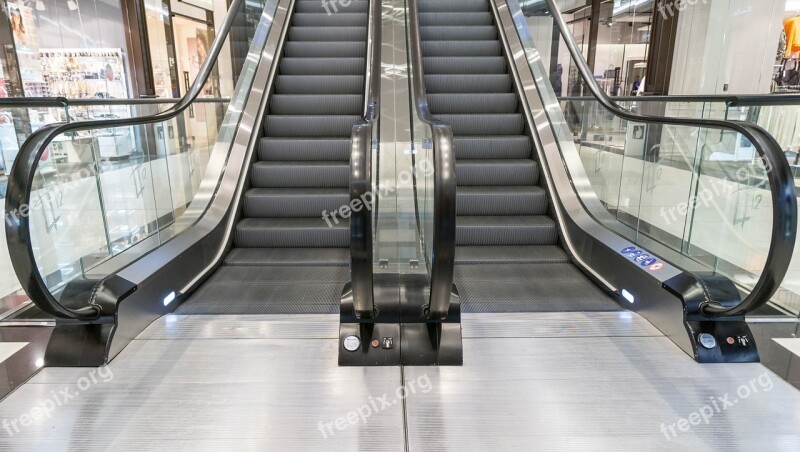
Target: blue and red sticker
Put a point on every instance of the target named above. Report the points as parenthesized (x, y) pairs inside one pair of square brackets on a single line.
[(645, 260)]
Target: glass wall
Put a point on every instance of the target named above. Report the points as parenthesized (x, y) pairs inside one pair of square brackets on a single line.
[(63, 48)]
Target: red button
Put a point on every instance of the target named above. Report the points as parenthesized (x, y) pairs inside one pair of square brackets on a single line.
[(731, 340), (375, 343)]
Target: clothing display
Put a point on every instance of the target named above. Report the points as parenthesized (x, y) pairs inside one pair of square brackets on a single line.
[(792, 28)]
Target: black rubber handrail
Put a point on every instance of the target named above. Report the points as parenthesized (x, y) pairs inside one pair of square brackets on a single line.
[(773, 100), (781, 180), (21, 182), (361, 263), (58, 102), (444, 191)]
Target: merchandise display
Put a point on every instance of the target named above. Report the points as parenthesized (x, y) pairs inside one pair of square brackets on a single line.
[(84, 73), (792, 28)]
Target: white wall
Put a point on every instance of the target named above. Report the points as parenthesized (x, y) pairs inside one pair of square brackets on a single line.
[(730, 42)]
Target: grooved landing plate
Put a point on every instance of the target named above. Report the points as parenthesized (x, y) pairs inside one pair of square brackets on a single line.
[(599, 394), (557, 324), (288, 326), (222, 389)]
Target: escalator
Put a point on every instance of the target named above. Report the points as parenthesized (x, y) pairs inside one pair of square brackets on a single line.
[(534, 233), (279, 224), (508, 254), (263, 231), (285, 257)]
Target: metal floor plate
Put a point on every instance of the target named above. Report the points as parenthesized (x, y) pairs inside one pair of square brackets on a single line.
[(546, 381), (213, 383), (541, 388)]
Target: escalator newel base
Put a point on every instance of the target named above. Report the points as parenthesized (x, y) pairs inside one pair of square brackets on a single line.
[(399, 334), (713, 339)]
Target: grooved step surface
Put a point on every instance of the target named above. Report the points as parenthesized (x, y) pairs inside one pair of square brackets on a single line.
[(508, 256), (286, 257)]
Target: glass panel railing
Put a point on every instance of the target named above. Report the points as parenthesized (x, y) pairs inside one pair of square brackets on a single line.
[(702, 191), (131, 163), (778, 115), (101, 191), (97, 190)]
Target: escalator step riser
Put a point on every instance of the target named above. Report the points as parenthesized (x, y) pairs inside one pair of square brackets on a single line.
[(476, 255), (461, 48), (322, 66), (301, 175), (455, 19), (319, 84), (260, 233), (512, 147), (498, 173), (441, 104), (483, 83), (294, 203), (315, 104), (464, 65), (341, 19), (483, 202), (283, 257), (327, 34), (507, 235), (309, 126), (476, 33), (497, 124), (318, 7), (317, 49), (453, 6), (292, 149)]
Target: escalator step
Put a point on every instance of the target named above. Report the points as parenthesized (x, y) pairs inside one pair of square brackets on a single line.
[(469, 83), (317, 6), (293, 149), (293, 202), (341, 19), (487, 147), (453, 5), (321, 49), (528, 288), (301, 175), (455, 19), (322, 66), (505, 230), (315, 104), (545, 254), (475, 33), (320, 84), (461, 48), (306, 257), (269, 290), (309, 126), (327, 33), (441, 104), (291, 233), (517, 200), (496, 172), (463, 65), (491, 124)]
